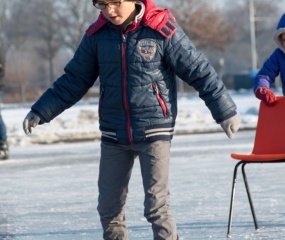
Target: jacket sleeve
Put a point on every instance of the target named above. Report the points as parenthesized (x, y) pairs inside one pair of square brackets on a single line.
[(194, 68), (80, 74), (269, 71)]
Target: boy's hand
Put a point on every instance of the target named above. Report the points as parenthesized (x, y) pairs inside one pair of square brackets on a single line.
[(31, 120), (265, 95), (231, 125)]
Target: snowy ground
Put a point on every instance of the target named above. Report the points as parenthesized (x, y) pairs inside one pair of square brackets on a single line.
[(49, 191), (81, 121)]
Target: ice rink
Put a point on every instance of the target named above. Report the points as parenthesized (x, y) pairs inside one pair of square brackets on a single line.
[(50, 192)]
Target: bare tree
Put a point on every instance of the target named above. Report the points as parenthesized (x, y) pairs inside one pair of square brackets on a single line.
[(10, 31), (75, 17), (45, 27), (267, 15), (55, 24), (40, 26), (205, 26)]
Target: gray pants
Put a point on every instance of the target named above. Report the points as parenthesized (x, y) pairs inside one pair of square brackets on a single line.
[(115, 171)]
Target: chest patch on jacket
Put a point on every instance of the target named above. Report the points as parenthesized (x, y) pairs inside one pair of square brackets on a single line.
[(147, 48)]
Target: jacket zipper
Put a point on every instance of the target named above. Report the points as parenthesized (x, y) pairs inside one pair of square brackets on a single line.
[(160, 99), (125, 93)]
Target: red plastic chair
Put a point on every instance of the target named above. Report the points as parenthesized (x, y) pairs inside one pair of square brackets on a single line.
[(269, 147)]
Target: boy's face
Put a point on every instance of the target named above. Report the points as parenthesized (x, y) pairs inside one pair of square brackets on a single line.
[(120, 13)]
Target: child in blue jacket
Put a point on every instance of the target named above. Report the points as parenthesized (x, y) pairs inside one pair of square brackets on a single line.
[(272, 67), (135, 49)]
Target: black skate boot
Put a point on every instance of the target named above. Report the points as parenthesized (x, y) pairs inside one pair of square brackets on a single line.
[(4, 150)]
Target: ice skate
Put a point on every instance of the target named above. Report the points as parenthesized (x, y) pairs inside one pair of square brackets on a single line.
[(4, 150)]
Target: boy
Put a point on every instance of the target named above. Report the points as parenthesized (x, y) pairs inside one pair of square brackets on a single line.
[(136, 49), (272, 67)]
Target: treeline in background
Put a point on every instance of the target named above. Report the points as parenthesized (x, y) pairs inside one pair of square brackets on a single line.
[(38, 38)]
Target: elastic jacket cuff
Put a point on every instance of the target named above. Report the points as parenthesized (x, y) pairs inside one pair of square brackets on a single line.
[(42, 121), (226, 117)]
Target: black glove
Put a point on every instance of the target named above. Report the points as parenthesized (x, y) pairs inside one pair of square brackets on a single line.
[(31, 120)]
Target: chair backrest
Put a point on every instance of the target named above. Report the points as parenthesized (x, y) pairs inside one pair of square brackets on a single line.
[(270, 130)]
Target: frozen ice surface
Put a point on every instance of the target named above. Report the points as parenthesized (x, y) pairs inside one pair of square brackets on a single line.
[(49, 192)]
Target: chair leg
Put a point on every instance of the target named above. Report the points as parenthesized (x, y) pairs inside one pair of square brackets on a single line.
[(249, 196), (232, 198)]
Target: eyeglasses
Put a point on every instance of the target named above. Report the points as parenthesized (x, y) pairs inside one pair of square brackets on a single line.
[(102, 6)]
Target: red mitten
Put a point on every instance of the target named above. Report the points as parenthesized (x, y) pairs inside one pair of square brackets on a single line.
[(265, 95)]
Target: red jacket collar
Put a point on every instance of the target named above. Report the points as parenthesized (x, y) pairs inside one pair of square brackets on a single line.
[(158, 19), (101, 21)]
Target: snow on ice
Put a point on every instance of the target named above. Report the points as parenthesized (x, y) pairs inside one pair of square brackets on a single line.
[(80, 122)]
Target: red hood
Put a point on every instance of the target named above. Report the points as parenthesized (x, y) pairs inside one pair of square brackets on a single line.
[(155, 18), (149, 5)]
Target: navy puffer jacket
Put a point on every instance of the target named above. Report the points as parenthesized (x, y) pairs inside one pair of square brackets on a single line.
[(137, 70)]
